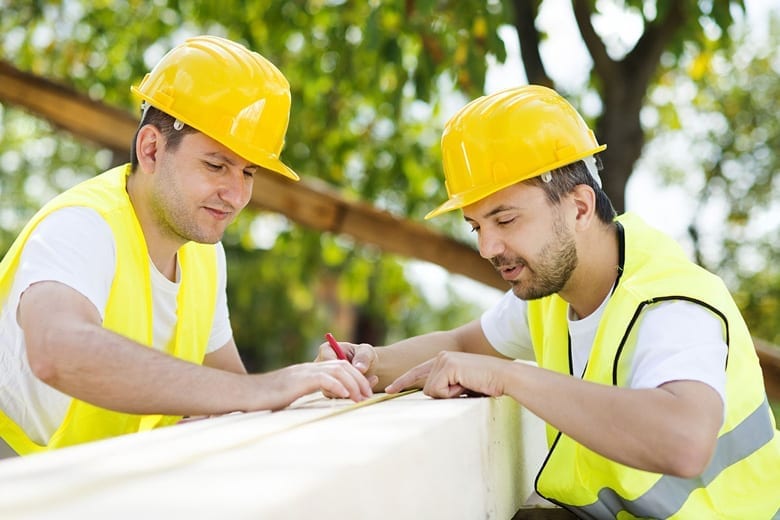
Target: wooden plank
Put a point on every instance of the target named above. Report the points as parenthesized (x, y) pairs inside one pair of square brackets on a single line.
[(309, 202), (395, 459)]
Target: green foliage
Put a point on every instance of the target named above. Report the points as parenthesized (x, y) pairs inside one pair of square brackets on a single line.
[(367, 81), (289, 295), (36, 163), (372, 83), (734, 137)]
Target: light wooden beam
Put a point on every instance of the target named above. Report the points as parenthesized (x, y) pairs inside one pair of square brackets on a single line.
[(309, 202), (68, 109)]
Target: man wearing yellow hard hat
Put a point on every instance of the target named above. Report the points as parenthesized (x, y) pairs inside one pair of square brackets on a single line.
[(114, 316), (647, 377)]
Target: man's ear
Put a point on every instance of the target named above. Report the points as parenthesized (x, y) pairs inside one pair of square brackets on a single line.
[(584, 199), (148, 143)]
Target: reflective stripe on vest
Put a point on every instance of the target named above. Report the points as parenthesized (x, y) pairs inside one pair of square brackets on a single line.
[(743, 477), (669, 494)]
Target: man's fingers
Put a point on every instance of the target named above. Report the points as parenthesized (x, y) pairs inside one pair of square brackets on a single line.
[(363, 357), (326, 352), (443, 392), (414, 377), (440, 388), (457, 374), (351, 383), (332, 387), (400, 384)]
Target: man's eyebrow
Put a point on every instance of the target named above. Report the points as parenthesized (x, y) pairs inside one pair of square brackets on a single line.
[(500, 209), (492, 212), (220, 157), (224, 158)]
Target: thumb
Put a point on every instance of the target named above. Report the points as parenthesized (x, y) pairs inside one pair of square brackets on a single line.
[(364, 357)]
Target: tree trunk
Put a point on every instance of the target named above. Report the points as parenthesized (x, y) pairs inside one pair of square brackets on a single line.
[(622, 84)]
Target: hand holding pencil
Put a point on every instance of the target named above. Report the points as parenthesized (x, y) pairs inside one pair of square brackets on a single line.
[(362, 356), (335, 346)]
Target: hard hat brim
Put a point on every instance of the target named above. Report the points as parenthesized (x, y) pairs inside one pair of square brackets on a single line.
[(264, 159), (477, 193)]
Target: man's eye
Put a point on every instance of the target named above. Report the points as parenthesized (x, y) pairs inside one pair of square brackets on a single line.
[(213, 167), (474, 229), (506, 221), (249, 173)]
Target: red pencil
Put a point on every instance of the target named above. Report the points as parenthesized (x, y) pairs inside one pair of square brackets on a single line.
[(335, 346)]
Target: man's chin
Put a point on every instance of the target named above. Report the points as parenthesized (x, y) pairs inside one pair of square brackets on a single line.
[(519, 292), (206, 238), (526, 294)]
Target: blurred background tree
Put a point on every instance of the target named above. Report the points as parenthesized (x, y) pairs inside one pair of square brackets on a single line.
[(718, 137), (373, 82)]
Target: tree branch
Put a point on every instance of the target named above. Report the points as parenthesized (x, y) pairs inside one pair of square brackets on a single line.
[(641, 63), (525, 16), (605, 66), (309, 202)]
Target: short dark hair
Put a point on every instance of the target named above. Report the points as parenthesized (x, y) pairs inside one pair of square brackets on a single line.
[(164, 123), (564, 179)]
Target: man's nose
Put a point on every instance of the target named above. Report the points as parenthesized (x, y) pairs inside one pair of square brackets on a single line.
[(236, 189), (490, 245)]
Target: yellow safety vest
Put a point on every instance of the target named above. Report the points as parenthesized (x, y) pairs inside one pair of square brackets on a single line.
[(743, 479), (128, 309)]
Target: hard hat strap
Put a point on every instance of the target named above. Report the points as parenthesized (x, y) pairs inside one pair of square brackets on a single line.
[(144, 109), (592, 163), (593, 168)]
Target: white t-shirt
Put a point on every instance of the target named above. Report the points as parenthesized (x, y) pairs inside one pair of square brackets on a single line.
[(75, 246), (677, 340)]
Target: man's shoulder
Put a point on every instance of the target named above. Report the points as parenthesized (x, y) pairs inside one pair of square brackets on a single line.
[(71, 221), (104, 192)]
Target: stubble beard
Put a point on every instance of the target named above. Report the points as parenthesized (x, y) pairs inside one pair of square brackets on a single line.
[(174, 217), (549, 274)]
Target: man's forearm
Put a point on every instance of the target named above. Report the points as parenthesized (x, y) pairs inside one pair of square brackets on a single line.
[(670, 429), (102, 368), (68, 349)]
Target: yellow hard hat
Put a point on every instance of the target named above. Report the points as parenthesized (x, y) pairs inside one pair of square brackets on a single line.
[(224, 90), (507, 137)]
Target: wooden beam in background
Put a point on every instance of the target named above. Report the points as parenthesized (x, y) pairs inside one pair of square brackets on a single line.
[(68, 109), (308, 202), (318, 206)]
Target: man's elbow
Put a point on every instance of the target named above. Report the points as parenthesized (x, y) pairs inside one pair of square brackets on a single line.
[(691, 458), (42, 364)]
